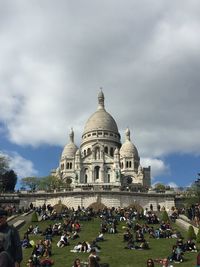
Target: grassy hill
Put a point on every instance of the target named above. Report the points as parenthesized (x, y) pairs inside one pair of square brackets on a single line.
[(112, 250)]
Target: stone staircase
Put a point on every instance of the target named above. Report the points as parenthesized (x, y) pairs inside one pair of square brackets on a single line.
[(184, 223)]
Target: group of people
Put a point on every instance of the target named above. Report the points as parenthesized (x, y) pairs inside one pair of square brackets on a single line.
[(11, 246)]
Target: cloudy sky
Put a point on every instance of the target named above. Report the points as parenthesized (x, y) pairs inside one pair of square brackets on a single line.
[(54, 57)]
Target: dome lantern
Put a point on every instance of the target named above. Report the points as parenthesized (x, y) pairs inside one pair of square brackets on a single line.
[(101, 100)]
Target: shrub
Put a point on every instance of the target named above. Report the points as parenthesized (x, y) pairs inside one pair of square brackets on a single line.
[(34, 217), (164, 216), (198, 236), (191, 234)]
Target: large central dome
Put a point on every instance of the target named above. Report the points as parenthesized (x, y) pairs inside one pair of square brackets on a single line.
[(101, 119)]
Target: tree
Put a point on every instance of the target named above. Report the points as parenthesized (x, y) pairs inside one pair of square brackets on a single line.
[(191, 234), (34, 217), (4, 164), (9, 181), (49, 183), (198, 236), (160, 187), (164, 216), (30, 182)]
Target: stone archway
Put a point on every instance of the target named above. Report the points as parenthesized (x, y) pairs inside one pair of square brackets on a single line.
[(135, 205), (59, 207), (97, 206)]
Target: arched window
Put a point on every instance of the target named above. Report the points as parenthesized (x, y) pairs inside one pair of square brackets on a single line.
[(107, 180), (106, 149), (96, 172), (88, 150), (84, 152), (97, 153), (111, 151), (67, 165), (130, 164), (85, 179), (122, 165), (70, 165), (127, 164)]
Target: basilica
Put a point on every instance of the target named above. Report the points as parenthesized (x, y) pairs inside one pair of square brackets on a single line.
[(101, 160)]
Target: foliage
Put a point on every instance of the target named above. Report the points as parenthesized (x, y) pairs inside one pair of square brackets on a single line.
[(30, 182), (191, 234), (34, 217), (198, 236), (193, 194), (160, 187), (8, 178), (4, 164), (9, 181), (164, 216), (49, 183)]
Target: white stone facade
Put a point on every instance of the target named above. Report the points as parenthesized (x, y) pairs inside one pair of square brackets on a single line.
[(101, 159)]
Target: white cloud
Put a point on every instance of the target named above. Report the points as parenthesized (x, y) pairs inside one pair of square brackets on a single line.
[(21, 166), (53, 59), (172, 184), (158, 166)]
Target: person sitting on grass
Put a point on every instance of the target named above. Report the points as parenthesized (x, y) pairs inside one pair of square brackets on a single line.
[(100, 237), (74, 235), (139, 236), (150, 263), (176, 255), (165, 263), (25, 242), (84, 247), (95, 246), (130, 244), (143, 246), (63, 241), (47, 248), (36, 230), (190, 246), (46, 262), (127, 235), (77, 263)]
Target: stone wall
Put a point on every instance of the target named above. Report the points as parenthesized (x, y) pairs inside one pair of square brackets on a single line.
[(108, 198)]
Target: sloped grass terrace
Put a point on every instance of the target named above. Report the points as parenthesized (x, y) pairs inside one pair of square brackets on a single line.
[(112, 249)]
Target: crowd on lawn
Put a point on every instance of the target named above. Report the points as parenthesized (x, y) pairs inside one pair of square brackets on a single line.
[(67, 226)]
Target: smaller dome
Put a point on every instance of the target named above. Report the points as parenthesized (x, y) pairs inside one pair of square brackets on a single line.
[(69, 150), (128, 149)]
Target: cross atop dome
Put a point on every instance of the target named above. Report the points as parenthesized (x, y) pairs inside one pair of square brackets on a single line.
[(127, 134), (71, 135), (101, 99)]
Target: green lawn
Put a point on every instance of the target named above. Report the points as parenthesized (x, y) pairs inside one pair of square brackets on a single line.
[(112, 250)]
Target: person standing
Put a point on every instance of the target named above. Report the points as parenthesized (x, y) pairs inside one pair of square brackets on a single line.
[(93, 259), (5, 260), (11, 239)]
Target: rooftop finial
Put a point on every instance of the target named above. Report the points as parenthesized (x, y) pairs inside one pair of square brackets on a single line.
[(127, 134), (101, 99), (71, 136)]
